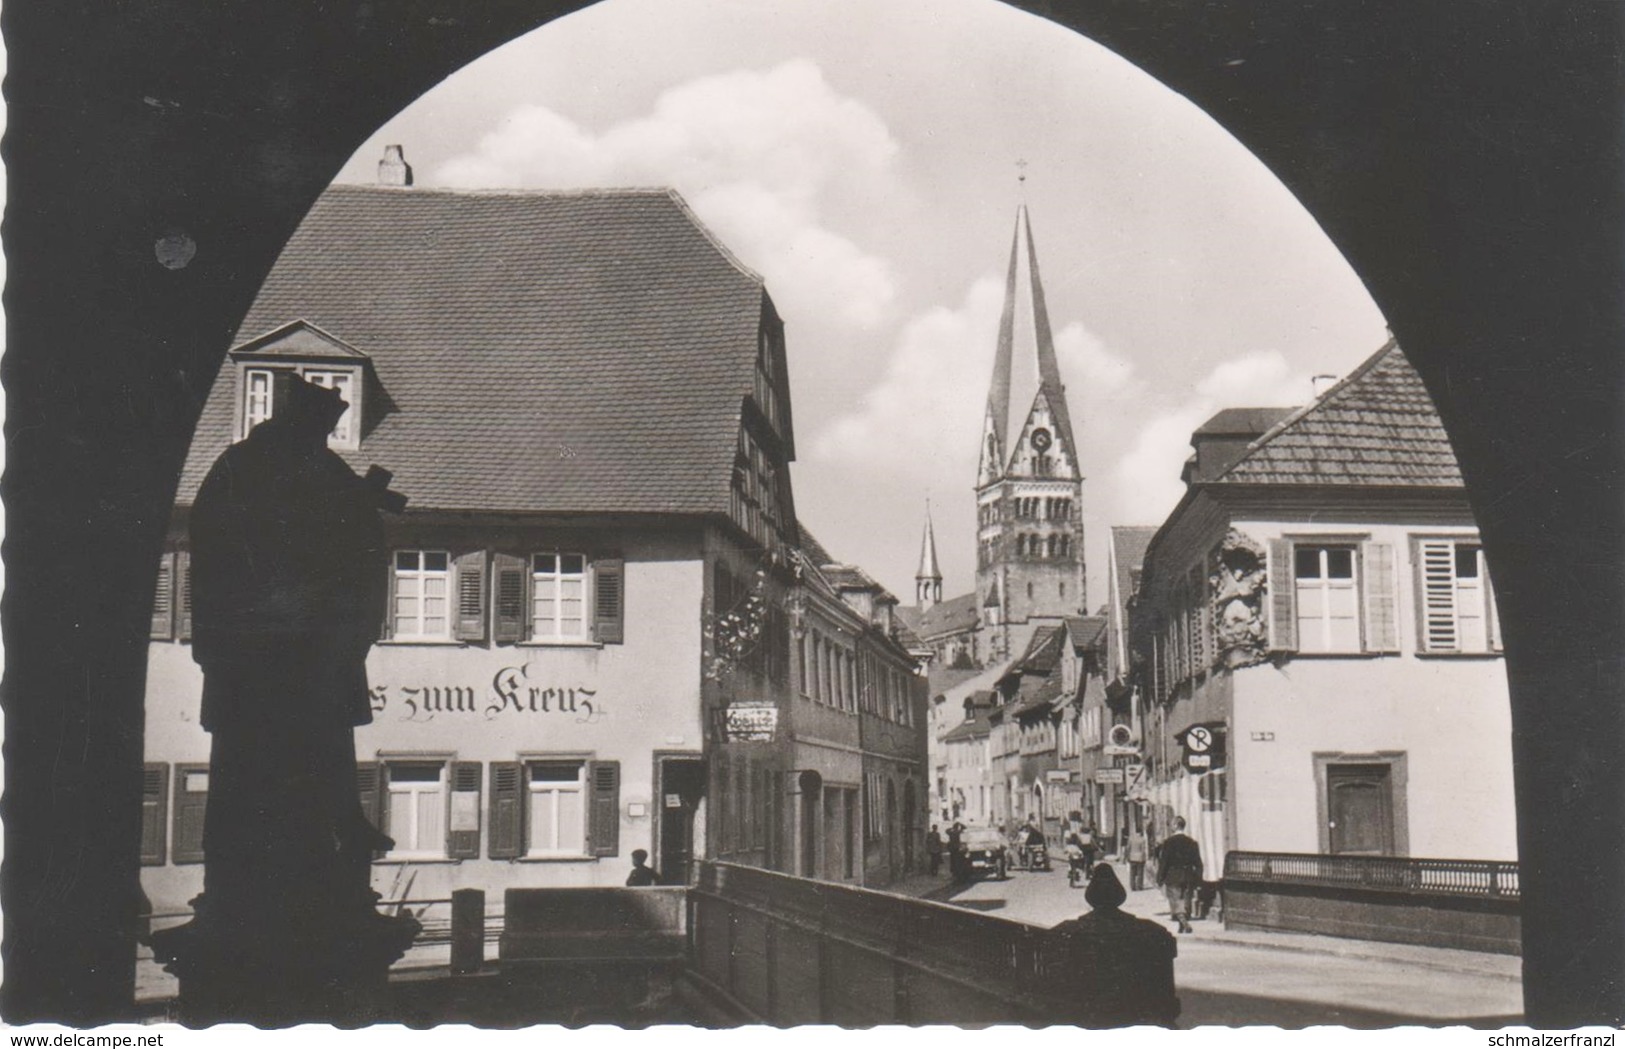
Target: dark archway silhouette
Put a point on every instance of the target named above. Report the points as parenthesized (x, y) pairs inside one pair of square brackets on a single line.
[(1466, 160)]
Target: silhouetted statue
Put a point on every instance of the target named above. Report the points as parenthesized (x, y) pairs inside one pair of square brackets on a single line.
[(289, 591)]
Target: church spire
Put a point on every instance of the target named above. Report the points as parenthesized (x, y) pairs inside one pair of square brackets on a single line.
[(1049, 369), (995, 429), (928, 579)]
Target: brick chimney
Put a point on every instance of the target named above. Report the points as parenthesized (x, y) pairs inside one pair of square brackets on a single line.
[(393, 170)]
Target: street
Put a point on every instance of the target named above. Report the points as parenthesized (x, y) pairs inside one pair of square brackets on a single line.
[(1245, 977)]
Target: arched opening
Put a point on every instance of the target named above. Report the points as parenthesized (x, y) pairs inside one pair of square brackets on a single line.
[(1439, 256)]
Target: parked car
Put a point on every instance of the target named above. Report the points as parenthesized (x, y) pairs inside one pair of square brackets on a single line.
[(985, 853)]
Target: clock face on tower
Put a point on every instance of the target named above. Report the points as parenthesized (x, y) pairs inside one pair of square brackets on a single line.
[(1041, 440)]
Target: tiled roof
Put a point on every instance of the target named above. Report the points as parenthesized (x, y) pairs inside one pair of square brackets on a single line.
[(1242, 421), (1129, 543), (953, 616), (1042, 651), (813, 549), (940, 679), (1086, 631), (977, 723), (585, 351), (1376, 427)]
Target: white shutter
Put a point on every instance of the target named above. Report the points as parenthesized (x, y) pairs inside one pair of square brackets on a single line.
[(1381, 611), (1436, 570)]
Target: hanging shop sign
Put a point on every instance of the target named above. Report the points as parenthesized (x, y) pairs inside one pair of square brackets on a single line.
[(1121, 741), (748, 721), (1109, 776)]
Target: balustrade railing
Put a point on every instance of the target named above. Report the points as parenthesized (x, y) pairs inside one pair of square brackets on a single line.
[(1463, 878)]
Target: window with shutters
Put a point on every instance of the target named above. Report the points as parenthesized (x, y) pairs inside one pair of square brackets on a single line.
[(1326, 598), (557, 597), (1456, 604), (172, 598), (415, 804), (421, 606), (191, 799)]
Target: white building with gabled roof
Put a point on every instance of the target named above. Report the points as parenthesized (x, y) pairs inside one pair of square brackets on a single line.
[(1319, 612)]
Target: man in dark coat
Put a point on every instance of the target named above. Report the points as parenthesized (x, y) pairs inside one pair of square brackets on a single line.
[(289, 592), (1179, 872)]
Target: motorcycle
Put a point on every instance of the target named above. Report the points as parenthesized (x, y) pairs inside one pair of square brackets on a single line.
[(1077, 866), (1037, 857)]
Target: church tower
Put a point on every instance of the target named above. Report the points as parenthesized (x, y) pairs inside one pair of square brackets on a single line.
[(1029, 487), (928, 577)]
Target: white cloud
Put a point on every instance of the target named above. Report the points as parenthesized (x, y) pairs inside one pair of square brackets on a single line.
[(757, 154), (1147, 475), (923, 418)]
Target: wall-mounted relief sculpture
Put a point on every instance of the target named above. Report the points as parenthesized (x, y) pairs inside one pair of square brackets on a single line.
[(1239, 581)]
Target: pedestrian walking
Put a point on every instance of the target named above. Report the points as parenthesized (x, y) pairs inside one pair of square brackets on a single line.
[(933, 848), (1179, 872), (1136, 850), (956, 851)]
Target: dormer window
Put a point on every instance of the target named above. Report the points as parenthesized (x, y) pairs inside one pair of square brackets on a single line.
[(320, 358)]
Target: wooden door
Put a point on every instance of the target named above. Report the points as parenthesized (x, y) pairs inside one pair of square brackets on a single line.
[(1360, 809)]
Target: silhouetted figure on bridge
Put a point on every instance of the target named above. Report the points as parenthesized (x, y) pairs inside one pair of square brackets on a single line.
[(289, 578)]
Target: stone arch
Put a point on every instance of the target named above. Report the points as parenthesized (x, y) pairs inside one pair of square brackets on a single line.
[(1482, 183)]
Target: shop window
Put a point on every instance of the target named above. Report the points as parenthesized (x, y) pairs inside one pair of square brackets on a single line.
[(191, 799), (1456, 604)]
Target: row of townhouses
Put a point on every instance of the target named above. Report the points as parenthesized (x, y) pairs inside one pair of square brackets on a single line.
[(607, 630), (1303, 657)]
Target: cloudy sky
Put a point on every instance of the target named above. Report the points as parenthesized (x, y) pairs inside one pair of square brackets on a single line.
[(862, 156)]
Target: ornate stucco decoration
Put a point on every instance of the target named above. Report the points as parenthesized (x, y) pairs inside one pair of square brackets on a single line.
[(1239, 581)]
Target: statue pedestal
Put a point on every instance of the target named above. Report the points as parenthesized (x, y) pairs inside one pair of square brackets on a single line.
[(277, 970)]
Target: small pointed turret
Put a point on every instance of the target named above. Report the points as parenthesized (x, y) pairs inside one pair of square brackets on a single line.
[(928, 580)]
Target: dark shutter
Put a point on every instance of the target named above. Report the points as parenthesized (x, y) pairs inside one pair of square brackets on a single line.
[(191, 799), (1283, 606), (505, 837), (470, 622), (464, 844), (512, 599), (1381, 604), (604, 816), (183, 596), (369, 778), (154, 812), (1493, 627), (386, 629), (608, 600), (163, 600)]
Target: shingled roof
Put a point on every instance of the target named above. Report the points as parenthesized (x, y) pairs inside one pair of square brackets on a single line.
[(1378, 426), (558, 351), (953, 616)]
